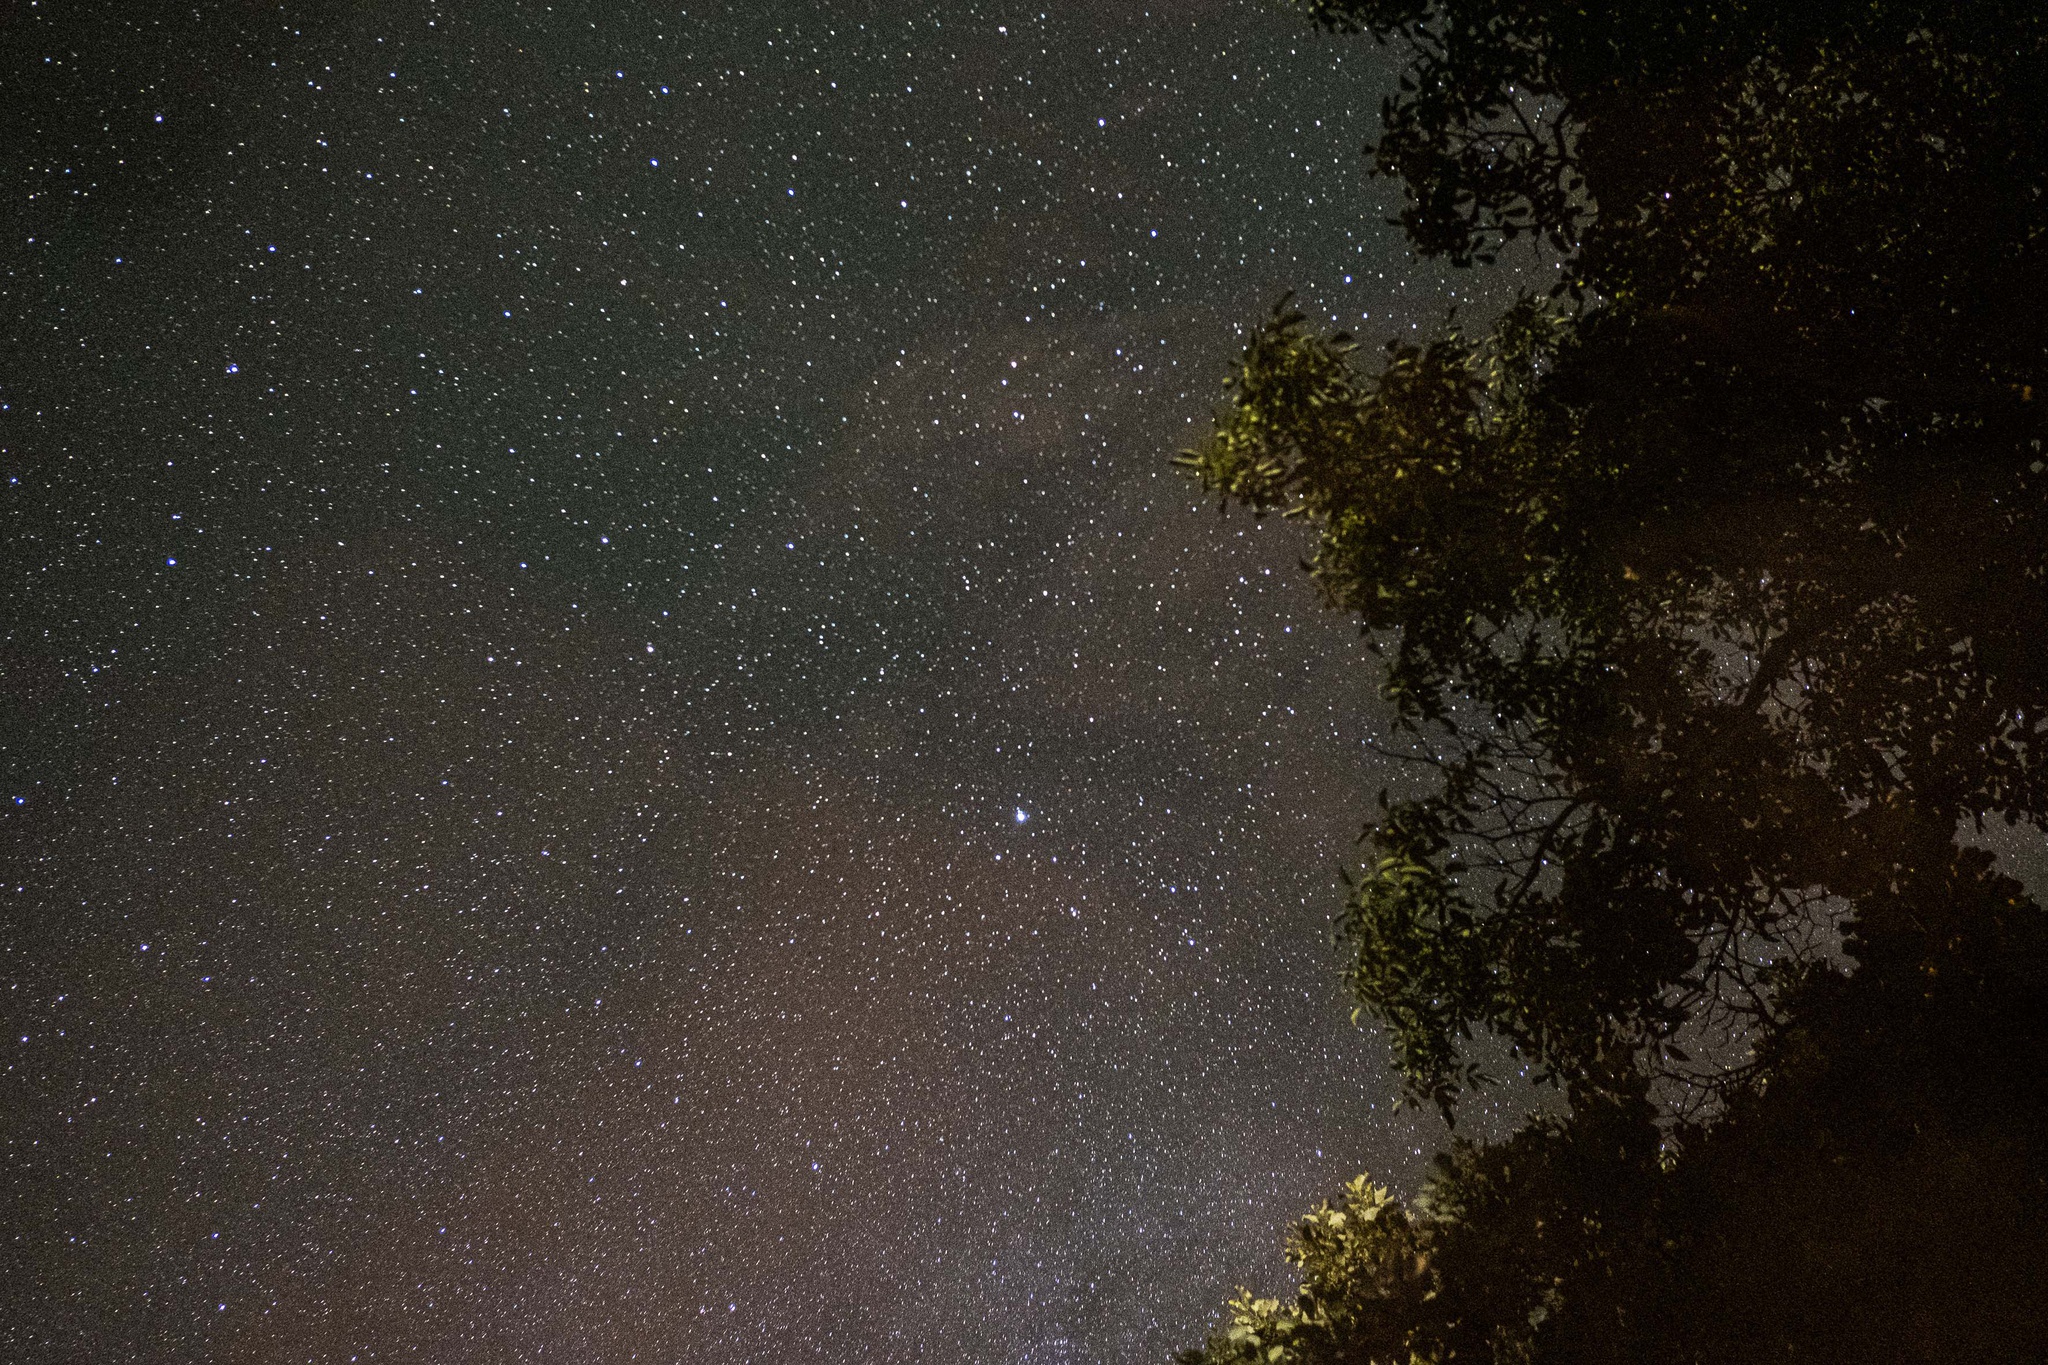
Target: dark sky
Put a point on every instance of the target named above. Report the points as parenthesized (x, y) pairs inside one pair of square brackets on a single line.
[(619, 742)]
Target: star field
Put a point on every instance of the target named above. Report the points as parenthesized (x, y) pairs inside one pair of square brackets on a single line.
[(620, 742)]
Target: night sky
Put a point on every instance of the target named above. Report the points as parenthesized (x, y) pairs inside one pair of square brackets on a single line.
[(619, 741)]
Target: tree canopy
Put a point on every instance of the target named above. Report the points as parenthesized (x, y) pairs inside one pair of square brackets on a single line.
[(1711, 586)]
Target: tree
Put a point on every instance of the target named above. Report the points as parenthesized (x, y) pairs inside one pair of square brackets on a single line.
[(1712, 588)]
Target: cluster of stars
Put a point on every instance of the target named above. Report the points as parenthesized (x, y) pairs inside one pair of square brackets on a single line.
[(625, 745)]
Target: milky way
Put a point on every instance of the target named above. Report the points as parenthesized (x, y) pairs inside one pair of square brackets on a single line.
[(620, 743)]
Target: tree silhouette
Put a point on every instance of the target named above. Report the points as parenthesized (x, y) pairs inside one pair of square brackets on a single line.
[(1712, 590)]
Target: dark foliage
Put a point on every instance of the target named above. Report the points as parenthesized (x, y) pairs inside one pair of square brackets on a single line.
[(1713, 588)]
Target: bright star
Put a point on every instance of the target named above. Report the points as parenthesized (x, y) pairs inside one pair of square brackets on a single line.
[(1022, 815)]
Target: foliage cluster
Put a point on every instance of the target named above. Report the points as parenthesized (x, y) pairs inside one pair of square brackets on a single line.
[(1712, 587)]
